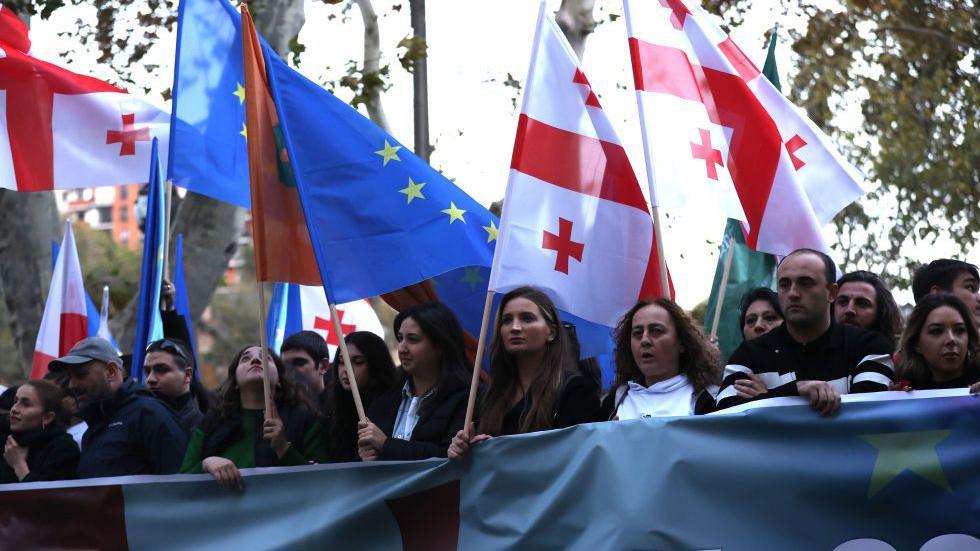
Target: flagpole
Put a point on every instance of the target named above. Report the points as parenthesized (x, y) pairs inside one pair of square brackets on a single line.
[(270, 403), (481, 344), (721, 290), (338, 330), (168, 187)]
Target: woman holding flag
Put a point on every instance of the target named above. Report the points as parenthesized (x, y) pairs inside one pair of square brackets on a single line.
[(536, 384), (664, 367)]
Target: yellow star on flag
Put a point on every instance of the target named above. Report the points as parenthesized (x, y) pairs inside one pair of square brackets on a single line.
[(389, 152), (413, 191), (491, 231), (472, 277), (240, 92), (244, 132), (454, 213), (901, 451)]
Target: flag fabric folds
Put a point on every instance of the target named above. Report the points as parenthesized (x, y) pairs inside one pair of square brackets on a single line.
[(715, 131), (91, 311), (149, 325), (283, 251), (65, 319), (379, 217), (574, 216), (208, 152), (182, 303), (63, 130), (296, 308)]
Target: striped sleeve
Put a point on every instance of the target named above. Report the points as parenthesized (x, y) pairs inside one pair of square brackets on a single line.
[(875, 370), (740, 365)]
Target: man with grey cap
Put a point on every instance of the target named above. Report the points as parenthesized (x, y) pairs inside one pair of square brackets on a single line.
[(129, 430)]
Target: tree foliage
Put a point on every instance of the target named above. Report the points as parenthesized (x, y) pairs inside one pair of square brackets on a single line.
[(912, 68)]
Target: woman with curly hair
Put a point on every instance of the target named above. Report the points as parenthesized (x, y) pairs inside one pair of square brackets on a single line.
[(664, 367), (235, 434), (940, 346), (536, 384)]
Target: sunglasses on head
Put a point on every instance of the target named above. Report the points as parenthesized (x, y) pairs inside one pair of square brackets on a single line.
[(173, 347)]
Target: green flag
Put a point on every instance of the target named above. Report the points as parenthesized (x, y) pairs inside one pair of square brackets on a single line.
[(749, 269)]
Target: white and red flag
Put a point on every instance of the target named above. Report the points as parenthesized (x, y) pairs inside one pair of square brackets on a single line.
[(61, 130), (65, 319), (716, 130), (575, 223)]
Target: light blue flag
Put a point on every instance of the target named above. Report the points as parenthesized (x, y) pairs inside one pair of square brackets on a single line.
[(149, 324), (182, 303)]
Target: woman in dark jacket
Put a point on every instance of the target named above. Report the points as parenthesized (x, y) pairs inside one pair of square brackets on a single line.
[(235, 434), (418, 418), (940, 346), (38, 447), (536, 384)]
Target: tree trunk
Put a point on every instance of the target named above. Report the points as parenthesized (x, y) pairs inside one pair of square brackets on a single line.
[(372, 59), (575, 19), (28, 223), (212, 228)]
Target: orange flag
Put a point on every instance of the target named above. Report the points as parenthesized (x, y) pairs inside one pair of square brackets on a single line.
[(283, 251)]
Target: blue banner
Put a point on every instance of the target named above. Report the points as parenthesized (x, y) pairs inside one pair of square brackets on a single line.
[(896, 474)]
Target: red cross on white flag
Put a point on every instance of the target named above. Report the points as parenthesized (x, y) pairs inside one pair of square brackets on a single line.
[(766, 164), (61, 130), (354, 316), (575, 223)]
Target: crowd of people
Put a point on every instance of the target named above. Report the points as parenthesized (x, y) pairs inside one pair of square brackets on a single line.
[(816, 336)]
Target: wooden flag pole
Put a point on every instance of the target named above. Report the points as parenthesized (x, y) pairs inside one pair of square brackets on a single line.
[(270, 403), (475, 381), (658, 235), (721, 290), (347, 365)]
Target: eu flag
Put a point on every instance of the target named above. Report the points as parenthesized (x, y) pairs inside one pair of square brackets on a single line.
[(380, 217), (149, 326), (207, 134)]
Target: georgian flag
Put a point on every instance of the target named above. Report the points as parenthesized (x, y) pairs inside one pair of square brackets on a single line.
[(65, 319), (296, 308), (716, 130), (574, 223), (61, 130)]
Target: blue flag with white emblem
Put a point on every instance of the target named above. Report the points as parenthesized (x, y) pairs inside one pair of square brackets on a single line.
[(149, 325), (380, 217), (208, 153)]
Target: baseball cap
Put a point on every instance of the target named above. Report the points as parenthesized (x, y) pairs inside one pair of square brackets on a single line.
[(87, 350)]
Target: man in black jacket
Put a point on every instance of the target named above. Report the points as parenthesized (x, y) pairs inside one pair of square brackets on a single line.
[(129, 431), (168, 371)]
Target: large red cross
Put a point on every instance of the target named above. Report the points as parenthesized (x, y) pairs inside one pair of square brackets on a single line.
[(679, 12), (326, 325), (710, 156), (563, 245), (31, 85), (128, 136)]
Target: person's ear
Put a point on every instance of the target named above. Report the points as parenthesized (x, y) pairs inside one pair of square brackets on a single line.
[(113, 372), (834, 289), (47, 419), (188, 374), (935, 289), (324, 367)]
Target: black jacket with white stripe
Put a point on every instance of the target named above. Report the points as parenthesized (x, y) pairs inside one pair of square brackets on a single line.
[(852, 359)]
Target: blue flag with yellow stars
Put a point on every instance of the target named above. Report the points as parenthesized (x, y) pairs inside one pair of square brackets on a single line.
[(380, 217), (208, 153)]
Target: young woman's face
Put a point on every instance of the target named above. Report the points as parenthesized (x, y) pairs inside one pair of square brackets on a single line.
[(523, 328), (943, 343), (416, 352), (249, 370), (27, 412), (655, 344), (357, 362), (760, 318)]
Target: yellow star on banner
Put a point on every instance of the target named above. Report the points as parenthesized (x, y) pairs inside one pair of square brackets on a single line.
[(901, 451), (244, 132), (240, 92), (472, 277), (389, 152), (413, 191), (454, 213), (491, 231)]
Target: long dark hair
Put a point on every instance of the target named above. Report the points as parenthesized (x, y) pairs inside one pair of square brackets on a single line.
[(50, 396), (914, 367), (341, 413), (222, 424), (697, 361), (442, 328), (888, 317), (505, 381)]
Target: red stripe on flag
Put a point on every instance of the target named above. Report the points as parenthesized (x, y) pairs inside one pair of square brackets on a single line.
[(74, 327), (743, 65), (576, 162), (88, 517), (39, 364), (753, 153), (652, 287)]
